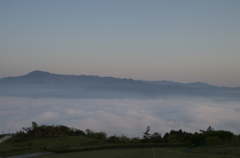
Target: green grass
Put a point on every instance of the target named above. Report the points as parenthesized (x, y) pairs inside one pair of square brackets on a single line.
[(19, 151), (131, 153), (11, 148), (61, 142), (173, 152), (50, 142), (226, 151)]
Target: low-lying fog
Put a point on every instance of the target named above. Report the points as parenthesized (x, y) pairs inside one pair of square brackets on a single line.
[(121, 116)]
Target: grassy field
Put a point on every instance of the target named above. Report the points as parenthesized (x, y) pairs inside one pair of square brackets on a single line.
[(167, 152), (222, 151), (11, 148), (176, 152)]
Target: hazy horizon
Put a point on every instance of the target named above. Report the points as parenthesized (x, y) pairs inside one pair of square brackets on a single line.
[(182, 41)]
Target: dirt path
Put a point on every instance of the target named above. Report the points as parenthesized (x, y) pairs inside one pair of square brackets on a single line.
[(31, 155)]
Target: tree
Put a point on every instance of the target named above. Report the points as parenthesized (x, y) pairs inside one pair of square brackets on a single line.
[(146, 135), (114, 139), (89, 132), (135, 140), (209, 129), (212, 141), (124, 139), (34, 125), (156, 138)]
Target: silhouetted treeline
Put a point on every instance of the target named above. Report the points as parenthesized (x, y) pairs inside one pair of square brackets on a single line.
[(209, 137), (47, 131), (212, 137)]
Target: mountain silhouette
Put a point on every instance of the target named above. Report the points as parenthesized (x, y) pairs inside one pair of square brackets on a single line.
[(44, 84)]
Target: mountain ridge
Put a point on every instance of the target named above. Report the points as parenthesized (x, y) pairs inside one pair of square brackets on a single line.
[(47, 84), (38, 74)]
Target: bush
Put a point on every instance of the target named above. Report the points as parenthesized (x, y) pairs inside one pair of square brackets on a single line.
[(119, 146)]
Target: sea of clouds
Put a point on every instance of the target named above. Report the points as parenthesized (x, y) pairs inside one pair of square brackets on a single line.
[(121, 116)]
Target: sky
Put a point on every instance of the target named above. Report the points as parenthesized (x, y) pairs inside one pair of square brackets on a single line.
[(182, 41), (128, 117)]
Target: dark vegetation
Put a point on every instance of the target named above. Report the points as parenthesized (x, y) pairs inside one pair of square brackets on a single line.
[(62, 139)]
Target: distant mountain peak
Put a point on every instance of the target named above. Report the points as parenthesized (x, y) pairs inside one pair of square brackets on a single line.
[(38, 72)]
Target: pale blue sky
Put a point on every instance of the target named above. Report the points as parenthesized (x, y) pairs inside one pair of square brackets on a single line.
[(176, 40)]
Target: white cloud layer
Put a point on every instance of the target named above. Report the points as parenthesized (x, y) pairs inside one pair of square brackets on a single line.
[(121, 116)]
